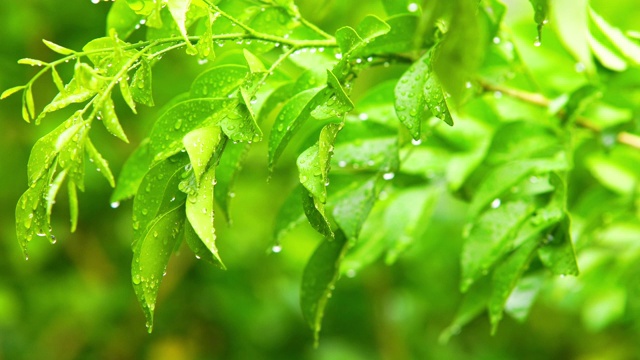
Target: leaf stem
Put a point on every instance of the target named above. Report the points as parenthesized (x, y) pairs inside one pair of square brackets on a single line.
[(623, 137)]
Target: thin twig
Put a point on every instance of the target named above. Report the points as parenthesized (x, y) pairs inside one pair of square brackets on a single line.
[(540, 100)]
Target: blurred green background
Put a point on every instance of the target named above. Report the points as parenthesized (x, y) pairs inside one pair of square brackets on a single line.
[(74, 300)]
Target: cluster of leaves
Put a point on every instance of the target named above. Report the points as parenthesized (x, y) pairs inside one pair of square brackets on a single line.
[(370, 172)]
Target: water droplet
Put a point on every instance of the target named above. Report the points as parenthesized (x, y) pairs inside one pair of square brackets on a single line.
[(363, 116), (53, 239), (136, 279), (203, 61), (115, 204), (537, 43), (342, 163), (497, 94), (178, 124), (339, 56), (496, 40), (198, 257), (416, 142), (413, 7), (95, 1), (388, 176), (351, 273), (496, 203), (276, 248), (580, 67), (468, 85)]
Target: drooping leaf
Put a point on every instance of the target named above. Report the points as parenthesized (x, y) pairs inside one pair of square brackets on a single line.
[(313, 163), (290, 215), (573, 30), (409, 93), (157, 191), (400, 37), (541, 10), (141, 89), (474, 302), (352, 209), (57, 80), (132, 173), (110, 119), (506, 276), (294, 113), (435, 101), (558, 254), (125, 91), (489, 238), (178, 10), (254, 63), (319, 278), (199, 209), (615, 38), (57, 48), (151, 255), (315, 212), (73, 204), (11, 91), (229, 166), (101, 164)]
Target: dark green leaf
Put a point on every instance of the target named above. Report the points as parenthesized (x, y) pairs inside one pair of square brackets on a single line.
[(473, 304), (506, 276), (557, 253), (319, 278), (227, 170), (316, 214)]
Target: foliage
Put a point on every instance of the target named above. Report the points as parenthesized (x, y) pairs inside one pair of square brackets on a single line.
[(541, 141)]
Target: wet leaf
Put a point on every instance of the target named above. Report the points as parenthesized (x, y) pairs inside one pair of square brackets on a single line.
[(313, 163), (200, 145), (352, 209), (490, 237), (110, 119), (218, 82), (141, 89), (319, 278), (409, 93), (101, 164), (11, 91), (151, 255), (57, 48), (228, 168)]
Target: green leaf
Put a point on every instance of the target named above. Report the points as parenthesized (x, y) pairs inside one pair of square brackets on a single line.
[(290, 215), (573, 30), (379, 153), (57, 48), (28, 102), (31, 217), (501, 179), (521, 299), (313, 163), (293, 114), (47, 148), (200, 213), (337, 105), (227, 171), (319, 278), (52, 193), (101, 164), (11, 91), (218, 82), (473, 304), (197, 246), (200, 145), (506, 276), (255, 64), (352, 43), (315, 212), (158, 192), (110, 119), (132, 173), (125, 90), (57, 80), (178, 10), (520, 140), (32, 62), (434, 99), (614, 36), (352, 209), (122, 20), (558, 254), (205, 44), (151, 255), (73, 93), (489, 238), (409, 94), (169, 130), (73, 204), (400, 37), (141, 89), (541, 10)]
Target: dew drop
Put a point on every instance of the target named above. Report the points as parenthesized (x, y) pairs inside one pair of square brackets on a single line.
[(342, 163), (363, 116), (388, 176), (276, 248), (351, 273), (413, 7), (136, 279), (338, 56), (95, 1), (416, 142), (537, 43), (496, 40), (496, 203)]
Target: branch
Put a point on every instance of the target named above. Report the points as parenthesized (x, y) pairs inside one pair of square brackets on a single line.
[(540, 100)]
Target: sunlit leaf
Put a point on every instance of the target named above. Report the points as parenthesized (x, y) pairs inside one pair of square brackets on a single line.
[(409, 93), (11, 91), (101, 164), (122, 19), (132, 173), (141, 89), (57, 48), (352, 209), (200, 145), (218, 82), (110, 120)]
